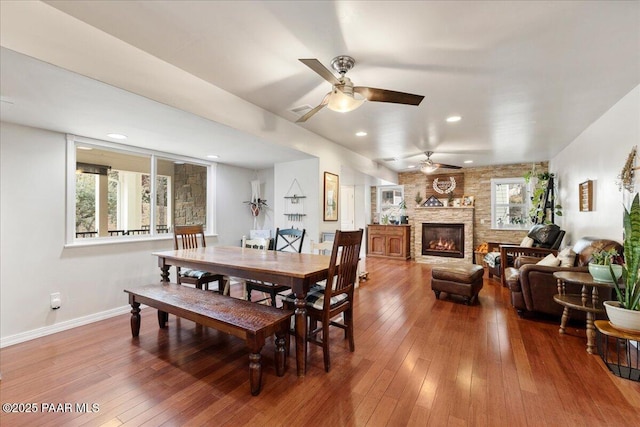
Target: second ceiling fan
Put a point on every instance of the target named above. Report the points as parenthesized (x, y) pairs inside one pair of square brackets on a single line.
[(342, 97)]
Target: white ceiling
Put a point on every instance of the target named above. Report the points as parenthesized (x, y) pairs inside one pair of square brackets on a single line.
[(526, 77)]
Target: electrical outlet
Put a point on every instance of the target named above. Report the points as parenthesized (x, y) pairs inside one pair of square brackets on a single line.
[(482, 221), (56, 300)]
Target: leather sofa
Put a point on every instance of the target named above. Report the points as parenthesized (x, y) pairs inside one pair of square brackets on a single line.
[(533, 286)]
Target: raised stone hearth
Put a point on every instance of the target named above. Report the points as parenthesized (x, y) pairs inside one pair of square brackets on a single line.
[(462, 215)]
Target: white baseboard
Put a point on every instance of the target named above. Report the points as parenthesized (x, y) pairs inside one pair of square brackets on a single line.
[(62, 326)]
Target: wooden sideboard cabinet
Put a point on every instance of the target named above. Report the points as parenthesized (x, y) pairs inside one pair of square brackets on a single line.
[(391, 241)]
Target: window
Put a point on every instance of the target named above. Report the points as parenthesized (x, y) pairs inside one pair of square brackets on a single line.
[(509, 203), (117, 192), (389, 199)]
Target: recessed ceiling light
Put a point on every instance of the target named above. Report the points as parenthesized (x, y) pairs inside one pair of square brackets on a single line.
[(84, 148), (117, 136), (178, 163), (453, 119), (213, 156), (411, 167), (468, 161), (361, 133)]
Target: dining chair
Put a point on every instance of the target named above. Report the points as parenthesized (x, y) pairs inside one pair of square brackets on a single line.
[(258, 243), (322, 248), (287, 240), (191, 237), (324, 303)]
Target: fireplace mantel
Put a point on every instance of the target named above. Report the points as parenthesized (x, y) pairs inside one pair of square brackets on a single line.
[(463, 214)]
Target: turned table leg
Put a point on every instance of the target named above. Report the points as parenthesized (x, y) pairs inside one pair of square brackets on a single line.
[(135, 317), (255, 373), (565, 318)]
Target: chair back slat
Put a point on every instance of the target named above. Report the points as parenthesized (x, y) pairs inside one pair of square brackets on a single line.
[(188, 237), (289, 240), (343, 266)]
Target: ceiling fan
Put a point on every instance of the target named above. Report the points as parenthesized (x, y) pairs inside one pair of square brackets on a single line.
[(428, 166), (342, 97)]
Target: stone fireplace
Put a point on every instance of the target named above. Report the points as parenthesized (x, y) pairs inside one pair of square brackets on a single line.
[(458, 221), (439, 239)]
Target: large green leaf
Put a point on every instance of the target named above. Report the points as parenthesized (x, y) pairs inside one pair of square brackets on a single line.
[(631, 222)]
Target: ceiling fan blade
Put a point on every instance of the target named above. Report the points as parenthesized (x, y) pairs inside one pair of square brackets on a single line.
[(444, 166), (313, 111), (323, 71), (384, 95)]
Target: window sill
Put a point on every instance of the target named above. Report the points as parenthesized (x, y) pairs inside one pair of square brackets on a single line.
[(509, 229), (104, 241)]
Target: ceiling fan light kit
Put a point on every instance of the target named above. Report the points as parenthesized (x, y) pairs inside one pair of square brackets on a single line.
[(428, 168), (342, 102)]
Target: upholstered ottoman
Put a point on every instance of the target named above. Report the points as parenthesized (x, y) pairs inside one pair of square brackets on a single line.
[(457, 279)]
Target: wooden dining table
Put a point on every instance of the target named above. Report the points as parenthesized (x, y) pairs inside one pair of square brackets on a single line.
[(298, 271)]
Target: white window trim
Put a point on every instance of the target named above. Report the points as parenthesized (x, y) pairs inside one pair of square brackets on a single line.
[(527, 203), (70, 202), (380, 189)]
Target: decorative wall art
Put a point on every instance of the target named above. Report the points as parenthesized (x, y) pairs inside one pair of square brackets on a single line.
[(586, 196), (467, 200), (625, 179), (445, 186), (331, 188)]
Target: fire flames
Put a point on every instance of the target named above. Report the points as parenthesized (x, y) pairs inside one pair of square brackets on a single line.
[(442, 245)]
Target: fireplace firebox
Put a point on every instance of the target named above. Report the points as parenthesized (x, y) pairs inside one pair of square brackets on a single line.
[(446, 240)]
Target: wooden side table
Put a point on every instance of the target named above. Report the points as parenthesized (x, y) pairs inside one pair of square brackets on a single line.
[(587, 301), (621, 357)]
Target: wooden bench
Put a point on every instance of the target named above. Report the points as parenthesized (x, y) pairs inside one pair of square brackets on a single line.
[(249, 321)]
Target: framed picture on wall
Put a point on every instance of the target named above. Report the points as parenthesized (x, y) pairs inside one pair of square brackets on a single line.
[(331, 187)]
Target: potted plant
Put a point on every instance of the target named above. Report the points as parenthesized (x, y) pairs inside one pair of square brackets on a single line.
[(418, 199), (404, 219), (625, 312), (603, 263)]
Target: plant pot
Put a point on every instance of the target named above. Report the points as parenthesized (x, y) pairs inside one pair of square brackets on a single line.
[(601, 273), (621, 318)]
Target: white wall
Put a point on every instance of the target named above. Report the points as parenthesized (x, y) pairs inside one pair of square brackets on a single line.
[(598, 154), (34, 262), (233, 216)]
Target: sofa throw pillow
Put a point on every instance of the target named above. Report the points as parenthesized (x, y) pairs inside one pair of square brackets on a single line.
[(550, 261), (527, 242), (567, 257)]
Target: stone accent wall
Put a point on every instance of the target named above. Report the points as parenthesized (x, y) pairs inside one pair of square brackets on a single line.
[(190, 195), (442, 215), (477, 183)]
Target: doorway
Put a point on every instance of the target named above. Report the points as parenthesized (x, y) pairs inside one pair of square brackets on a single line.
[(347, 208)]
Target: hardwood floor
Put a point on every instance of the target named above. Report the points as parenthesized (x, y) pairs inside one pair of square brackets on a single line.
[(418, 361)]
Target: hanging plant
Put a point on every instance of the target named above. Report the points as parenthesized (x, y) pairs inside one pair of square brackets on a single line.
[(625, 178), (257, 205), (538, 213)]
